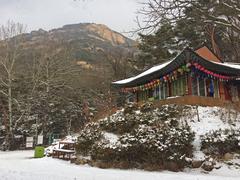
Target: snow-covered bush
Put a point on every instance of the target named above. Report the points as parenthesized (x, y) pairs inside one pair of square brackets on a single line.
[(126, 120), (148, 145), (87, 137), (139, 137), (119, 123), (220, 141)]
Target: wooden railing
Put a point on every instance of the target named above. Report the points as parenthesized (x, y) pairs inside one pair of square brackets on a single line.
[(197, 100)]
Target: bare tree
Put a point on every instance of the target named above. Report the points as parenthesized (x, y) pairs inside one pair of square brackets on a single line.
[(119, 61), (10, 47), (53, 69), (55, 65), (224, 13)]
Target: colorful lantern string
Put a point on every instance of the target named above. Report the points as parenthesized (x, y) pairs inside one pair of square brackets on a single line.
[(195, 68)]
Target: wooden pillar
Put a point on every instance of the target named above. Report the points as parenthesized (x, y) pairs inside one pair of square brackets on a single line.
[(189, 84), (221, 90), (169, 84), (137, 96)]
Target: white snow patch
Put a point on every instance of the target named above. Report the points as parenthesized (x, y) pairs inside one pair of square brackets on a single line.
[(20, 165), (112, 138), (229, 64), (210, 119)]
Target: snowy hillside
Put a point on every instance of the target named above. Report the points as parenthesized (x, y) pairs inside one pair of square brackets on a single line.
[(20, 164), (206, 119), (170, 137)]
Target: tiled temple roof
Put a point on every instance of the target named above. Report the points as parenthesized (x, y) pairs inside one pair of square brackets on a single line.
[(187, 55)]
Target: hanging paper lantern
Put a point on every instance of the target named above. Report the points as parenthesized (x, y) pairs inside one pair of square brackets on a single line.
[(188, 65), (183, 67), (165, 78)]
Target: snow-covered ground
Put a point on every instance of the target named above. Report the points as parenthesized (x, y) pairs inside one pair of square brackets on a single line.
[(210, 119), (19, 165)]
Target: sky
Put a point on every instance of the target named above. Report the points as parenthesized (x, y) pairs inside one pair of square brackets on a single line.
[(119, 15)]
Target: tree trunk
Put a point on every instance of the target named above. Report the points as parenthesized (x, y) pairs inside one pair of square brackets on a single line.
[(9, 138)]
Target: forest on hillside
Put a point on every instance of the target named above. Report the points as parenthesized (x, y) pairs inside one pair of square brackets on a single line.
[(54, 82)]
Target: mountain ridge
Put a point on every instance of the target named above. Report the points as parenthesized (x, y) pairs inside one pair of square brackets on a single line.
[(98, 31)]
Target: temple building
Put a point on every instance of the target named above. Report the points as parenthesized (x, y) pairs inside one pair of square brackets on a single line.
[(196, 76)]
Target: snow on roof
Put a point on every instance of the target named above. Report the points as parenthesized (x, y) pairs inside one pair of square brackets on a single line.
[(232, 65), (228, 64), (149, 71)]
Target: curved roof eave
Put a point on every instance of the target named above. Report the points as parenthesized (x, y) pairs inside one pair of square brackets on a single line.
[(186, 55)]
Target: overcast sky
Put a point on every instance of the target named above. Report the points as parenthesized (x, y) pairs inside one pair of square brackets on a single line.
[(48, 14)]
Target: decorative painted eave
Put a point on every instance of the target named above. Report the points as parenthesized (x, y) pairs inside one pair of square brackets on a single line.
[(187, 55)]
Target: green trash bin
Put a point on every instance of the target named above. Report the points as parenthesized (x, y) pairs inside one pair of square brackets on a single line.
[(39, 152)]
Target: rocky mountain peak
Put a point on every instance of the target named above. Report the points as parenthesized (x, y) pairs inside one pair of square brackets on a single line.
[(106, 33)]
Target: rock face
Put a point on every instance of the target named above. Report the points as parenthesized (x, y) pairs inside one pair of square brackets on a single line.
[(171, 166), (87, 32), (228, 156), (107, 34), (208, 164), (197, 164)]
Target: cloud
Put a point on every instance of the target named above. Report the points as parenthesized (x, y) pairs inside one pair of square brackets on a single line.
[(47, 14)]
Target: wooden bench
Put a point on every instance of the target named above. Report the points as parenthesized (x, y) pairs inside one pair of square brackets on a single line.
[(65, 150), (65, 154)]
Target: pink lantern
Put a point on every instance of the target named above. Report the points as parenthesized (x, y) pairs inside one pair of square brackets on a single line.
[(188, 65)]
